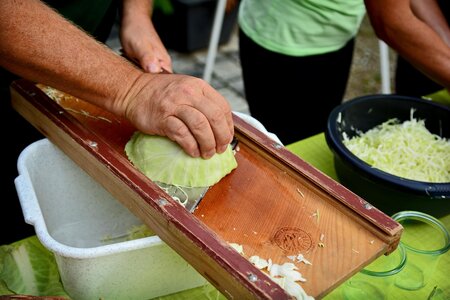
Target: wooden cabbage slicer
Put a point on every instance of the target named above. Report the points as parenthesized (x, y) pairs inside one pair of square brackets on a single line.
[(274, 204)]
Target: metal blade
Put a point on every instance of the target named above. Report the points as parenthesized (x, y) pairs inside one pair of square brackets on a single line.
[(188, 197)]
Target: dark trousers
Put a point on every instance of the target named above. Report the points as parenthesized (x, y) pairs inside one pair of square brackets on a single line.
[(293, 96)]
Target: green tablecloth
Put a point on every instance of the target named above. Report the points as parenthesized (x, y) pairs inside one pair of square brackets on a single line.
[(442, 97), (315, 151)]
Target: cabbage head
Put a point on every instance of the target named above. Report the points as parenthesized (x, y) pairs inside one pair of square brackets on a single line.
[(163, 160)]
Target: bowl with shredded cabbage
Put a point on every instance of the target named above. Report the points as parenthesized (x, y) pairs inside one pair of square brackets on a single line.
[(393, 151)]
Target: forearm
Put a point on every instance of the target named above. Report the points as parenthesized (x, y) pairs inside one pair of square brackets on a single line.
[(38, 44), (136, 8), (415, 40), (139, 38), (137, 12), (430, 13)]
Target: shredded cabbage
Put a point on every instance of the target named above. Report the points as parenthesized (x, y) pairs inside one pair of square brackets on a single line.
[(405, 149), (285, 275)]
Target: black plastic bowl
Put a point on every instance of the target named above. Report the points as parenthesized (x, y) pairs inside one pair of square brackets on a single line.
[(387, 192)]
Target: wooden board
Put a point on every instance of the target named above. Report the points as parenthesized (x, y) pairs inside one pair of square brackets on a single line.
[(274, 204)]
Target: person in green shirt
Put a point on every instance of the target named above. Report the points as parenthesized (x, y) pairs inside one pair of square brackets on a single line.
[(38, 43), (296, 57)]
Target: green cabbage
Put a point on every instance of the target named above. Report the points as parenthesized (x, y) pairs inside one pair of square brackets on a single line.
[(28, 268), (163, 160), (405, 149), (138, 232)]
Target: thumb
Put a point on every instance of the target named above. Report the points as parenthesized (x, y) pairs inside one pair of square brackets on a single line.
[(151, 64)]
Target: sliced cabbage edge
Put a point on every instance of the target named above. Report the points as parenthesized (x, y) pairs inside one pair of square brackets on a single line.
[(163, 160)]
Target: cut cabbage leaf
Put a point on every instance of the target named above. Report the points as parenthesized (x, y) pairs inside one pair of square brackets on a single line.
[(28, 268), (405, 149), (139, 232), (165, 161)]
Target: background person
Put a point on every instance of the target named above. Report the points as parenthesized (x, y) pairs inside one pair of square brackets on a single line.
[(296, 57)]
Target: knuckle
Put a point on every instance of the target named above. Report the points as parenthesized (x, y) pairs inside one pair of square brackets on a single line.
[(199, 124), (189, 147), (217, 117), (177, 130)]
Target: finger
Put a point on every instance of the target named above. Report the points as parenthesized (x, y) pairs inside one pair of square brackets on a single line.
[(164, 59), (166, 66), (155, 65), (150, 64), (220, 119), (177, 131), (230, 122), (222, 134), (200, 128)]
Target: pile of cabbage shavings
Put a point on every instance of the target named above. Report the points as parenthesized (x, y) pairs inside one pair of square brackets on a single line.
[(404, 149), (285, 275)]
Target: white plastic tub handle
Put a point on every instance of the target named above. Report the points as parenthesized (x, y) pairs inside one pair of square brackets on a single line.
[(27, 198)]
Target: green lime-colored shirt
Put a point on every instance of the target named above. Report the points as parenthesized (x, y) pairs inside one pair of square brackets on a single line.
[(301, 27)]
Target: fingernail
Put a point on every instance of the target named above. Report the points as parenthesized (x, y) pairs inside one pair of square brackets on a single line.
[(208, 155), (153, 68), (222, 149), (195, 153)]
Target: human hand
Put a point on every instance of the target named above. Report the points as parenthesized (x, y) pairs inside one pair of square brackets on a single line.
[(184, 108), (141, 43)]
